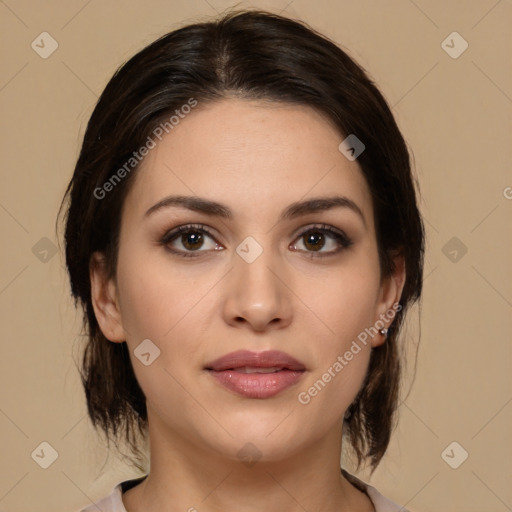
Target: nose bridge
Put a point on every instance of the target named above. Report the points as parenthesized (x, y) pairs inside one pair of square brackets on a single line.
[(256, 274), (257, 293)]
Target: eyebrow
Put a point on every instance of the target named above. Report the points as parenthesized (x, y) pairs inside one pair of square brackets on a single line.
[(294, 210)]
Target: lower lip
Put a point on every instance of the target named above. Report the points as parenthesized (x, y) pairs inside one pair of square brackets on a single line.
[(257, 385)]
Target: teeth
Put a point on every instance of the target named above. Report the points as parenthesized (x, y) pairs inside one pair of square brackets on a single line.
[(248, 369)]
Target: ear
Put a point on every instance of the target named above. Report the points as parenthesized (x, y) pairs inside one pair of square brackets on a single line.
[(104, 299), (390, 293)]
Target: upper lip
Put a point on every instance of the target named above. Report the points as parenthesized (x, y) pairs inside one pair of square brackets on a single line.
[(246, 358)]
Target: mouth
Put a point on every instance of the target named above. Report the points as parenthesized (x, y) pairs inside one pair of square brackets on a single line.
[(256, 374)]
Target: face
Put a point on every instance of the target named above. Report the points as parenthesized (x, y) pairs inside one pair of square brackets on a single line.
[(262, 277)]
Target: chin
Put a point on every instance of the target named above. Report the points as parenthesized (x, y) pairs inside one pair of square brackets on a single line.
[(264, 441)]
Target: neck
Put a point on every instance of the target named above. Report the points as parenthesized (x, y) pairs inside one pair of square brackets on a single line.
[(184, 477)]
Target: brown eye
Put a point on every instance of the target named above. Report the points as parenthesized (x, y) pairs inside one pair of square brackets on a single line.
[(189, 241), (314, 239), (192, 240)]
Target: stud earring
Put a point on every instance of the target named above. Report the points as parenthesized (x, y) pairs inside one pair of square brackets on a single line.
[(384, 331)]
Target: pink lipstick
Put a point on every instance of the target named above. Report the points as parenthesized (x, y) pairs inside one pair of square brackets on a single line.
[(256, 374)]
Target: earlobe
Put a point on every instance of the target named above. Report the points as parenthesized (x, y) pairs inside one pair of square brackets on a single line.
[(390, 294), (104, 299)]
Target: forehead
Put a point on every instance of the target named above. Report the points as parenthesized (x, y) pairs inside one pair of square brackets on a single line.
[(253, 155)]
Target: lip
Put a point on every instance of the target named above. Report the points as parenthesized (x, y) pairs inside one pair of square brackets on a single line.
[(227, 370), (267, 359)]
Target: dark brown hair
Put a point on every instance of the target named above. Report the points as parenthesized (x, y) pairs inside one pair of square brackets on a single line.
[(253, 55)]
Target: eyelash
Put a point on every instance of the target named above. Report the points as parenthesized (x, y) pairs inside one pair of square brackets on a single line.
[(341, 238)]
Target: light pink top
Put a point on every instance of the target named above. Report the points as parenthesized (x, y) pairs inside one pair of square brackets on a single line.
[(113, 502)]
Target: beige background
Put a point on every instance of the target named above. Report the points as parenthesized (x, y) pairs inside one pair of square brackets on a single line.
[(456, 117)]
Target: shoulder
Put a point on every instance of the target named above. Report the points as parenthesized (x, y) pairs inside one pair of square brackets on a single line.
[(110, 503), (113, 501), (380, 502)]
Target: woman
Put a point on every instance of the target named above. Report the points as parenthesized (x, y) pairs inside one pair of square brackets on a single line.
[(243, 235)]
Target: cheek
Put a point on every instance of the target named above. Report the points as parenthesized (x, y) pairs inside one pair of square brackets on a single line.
[(161, 302), (341, 361), (344, 301), (342, 353), (156, 296), (346, 304), (158, 306)]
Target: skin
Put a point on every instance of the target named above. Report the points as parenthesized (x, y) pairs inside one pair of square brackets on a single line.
[(256, 158)]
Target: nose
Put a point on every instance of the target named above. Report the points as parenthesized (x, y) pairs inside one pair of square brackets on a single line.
[(257, 295)]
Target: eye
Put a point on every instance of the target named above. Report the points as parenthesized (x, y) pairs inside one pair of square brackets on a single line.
[(191, 238), (316, 238)]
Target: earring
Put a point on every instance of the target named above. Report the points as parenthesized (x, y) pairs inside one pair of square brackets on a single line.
[(384, 331)]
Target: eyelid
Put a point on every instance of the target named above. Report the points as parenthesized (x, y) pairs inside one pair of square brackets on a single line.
[(322, 227)]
